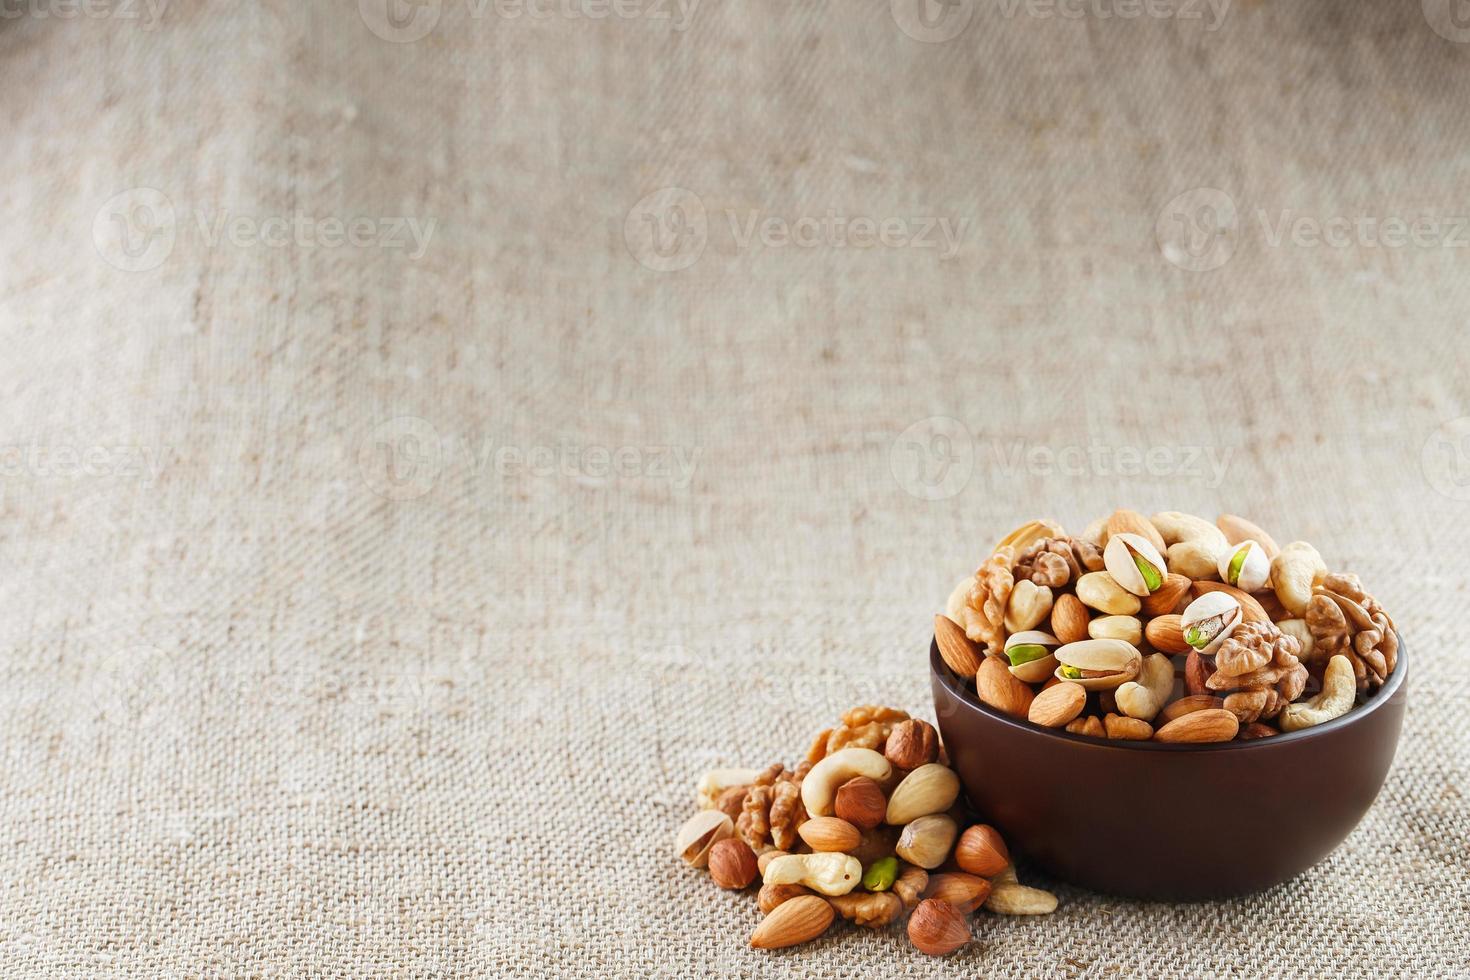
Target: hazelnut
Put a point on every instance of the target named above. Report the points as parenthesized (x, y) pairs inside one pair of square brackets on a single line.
[(937, 927), (732, 863), (911, 744), (860, 802), (981, 851), (966, 892), (771, 896), (731, 800)]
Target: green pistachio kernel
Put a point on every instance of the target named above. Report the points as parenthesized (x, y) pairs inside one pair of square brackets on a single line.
[(1236, 564), (1071, 673), (1152, 580), (1196, 638), (1024, 653), (880, 874)]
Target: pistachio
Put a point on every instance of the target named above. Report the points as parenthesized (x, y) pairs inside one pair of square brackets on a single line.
[(926, 841), (880, 874), (1028, 534), (1098, 665), (1238, 530), (1245, 566), (1116, 628), (1103, 593), (700, 833), (1208, 620), (1030, 654), (928, 789), (1135, 564), (1028, 606)]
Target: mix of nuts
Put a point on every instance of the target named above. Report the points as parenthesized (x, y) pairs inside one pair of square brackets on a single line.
[(1167, 628), (855, 830)]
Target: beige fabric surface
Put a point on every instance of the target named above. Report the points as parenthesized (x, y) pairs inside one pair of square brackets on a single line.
[(370, 610)]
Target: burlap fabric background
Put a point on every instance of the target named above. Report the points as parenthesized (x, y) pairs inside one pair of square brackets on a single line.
[(369, 610)]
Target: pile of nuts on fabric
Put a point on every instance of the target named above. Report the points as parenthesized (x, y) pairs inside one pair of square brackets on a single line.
[(1083, 632), (855, 831)]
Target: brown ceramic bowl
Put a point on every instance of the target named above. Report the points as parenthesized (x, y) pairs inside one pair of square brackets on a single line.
[(1172, 822)]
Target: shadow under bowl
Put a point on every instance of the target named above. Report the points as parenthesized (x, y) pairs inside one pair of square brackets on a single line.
[(1163, 821)]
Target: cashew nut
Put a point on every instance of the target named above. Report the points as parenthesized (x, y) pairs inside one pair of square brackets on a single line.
[(1176, 527), (1339, 690), (1294, 572), (1145, 697), (716, 781), (1010, 898), (819, 788), (1194, 559), (954, 606), (827, 872), (1299, 629), (1029, 604)]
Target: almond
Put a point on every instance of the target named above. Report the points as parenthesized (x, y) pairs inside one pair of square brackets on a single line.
[(1132, 522), (965, 892), (998, 688), (1257, 730), (829, 834), (1186, 705), (1166, 634), (981, 851), (1251, 611), (1166, 598), (1069, 618), (1238, 530), (860, 802), (795, 921), (955, 647), (1057, 705), (1209, 725)]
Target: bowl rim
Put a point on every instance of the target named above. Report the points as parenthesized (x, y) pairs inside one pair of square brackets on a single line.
[(1391, 689)]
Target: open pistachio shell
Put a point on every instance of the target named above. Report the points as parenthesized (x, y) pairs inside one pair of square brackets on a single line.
[(1098, 665), (1245, 566), (1030, 653), (1208, 620), (1134, 563)]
